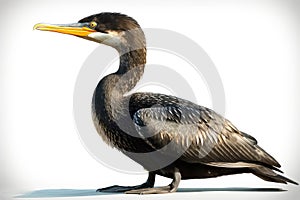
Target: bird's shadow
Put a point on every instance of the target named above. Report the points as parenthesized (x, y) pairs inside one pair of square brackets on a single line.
[(91, 192)]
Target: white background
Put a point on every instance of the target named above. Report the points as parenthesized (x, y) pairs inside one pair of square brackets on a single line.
[(254, 45)]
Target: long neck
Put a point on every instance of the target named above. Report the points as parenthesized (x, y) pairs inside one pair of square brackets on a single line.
[(110, 106), (130, 70), (132, 51), (111, 89)]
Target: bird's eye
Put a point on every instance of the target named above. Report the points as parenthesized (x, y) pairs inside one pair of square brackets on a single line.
[(93, 24)]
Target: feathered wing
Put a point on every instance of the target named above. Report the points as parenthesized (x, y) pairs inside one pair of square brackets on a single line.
[(198, 134), (207, 136)]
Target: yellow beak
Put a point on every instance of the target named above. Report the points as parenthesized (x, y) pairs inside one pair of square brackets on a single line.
[(79, 29)]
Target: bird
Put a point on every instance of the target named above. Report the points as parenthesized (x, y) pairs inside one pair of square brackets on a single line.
[(168, 136)]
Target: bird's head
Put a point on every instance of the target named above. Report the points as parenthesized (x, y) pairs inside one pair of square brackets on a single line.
[(113, 29)]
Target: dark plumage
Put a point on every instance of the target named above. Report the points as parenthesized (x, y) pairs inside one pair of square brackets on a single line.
[(189, 141)]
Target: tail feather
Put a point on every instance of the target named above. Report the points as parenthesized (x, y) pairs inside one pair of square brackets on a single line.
[(269, 175)]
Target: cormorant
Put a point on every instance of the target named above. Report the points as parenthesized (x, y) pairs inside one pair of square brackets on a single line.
[(168, 136)]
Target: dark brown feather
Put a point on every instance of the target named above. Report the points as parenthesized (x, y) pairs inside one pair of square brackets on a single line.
[(209, 136)]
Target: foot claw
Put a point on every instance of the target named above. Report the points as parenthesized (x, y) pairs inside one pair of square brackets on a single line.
[(114, 188), (117, 188)]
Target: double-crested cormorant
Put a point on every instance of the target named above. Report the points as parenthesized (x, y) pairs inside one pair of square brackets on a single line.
[(168, 136)]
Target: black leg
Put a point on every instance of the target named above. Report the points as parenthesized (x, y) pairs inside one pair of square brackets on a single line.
[(160, 190), (116, 188)]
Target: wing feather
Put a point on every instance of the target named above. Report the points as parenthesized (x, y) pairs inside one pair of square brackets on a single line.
[(200, 134)]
